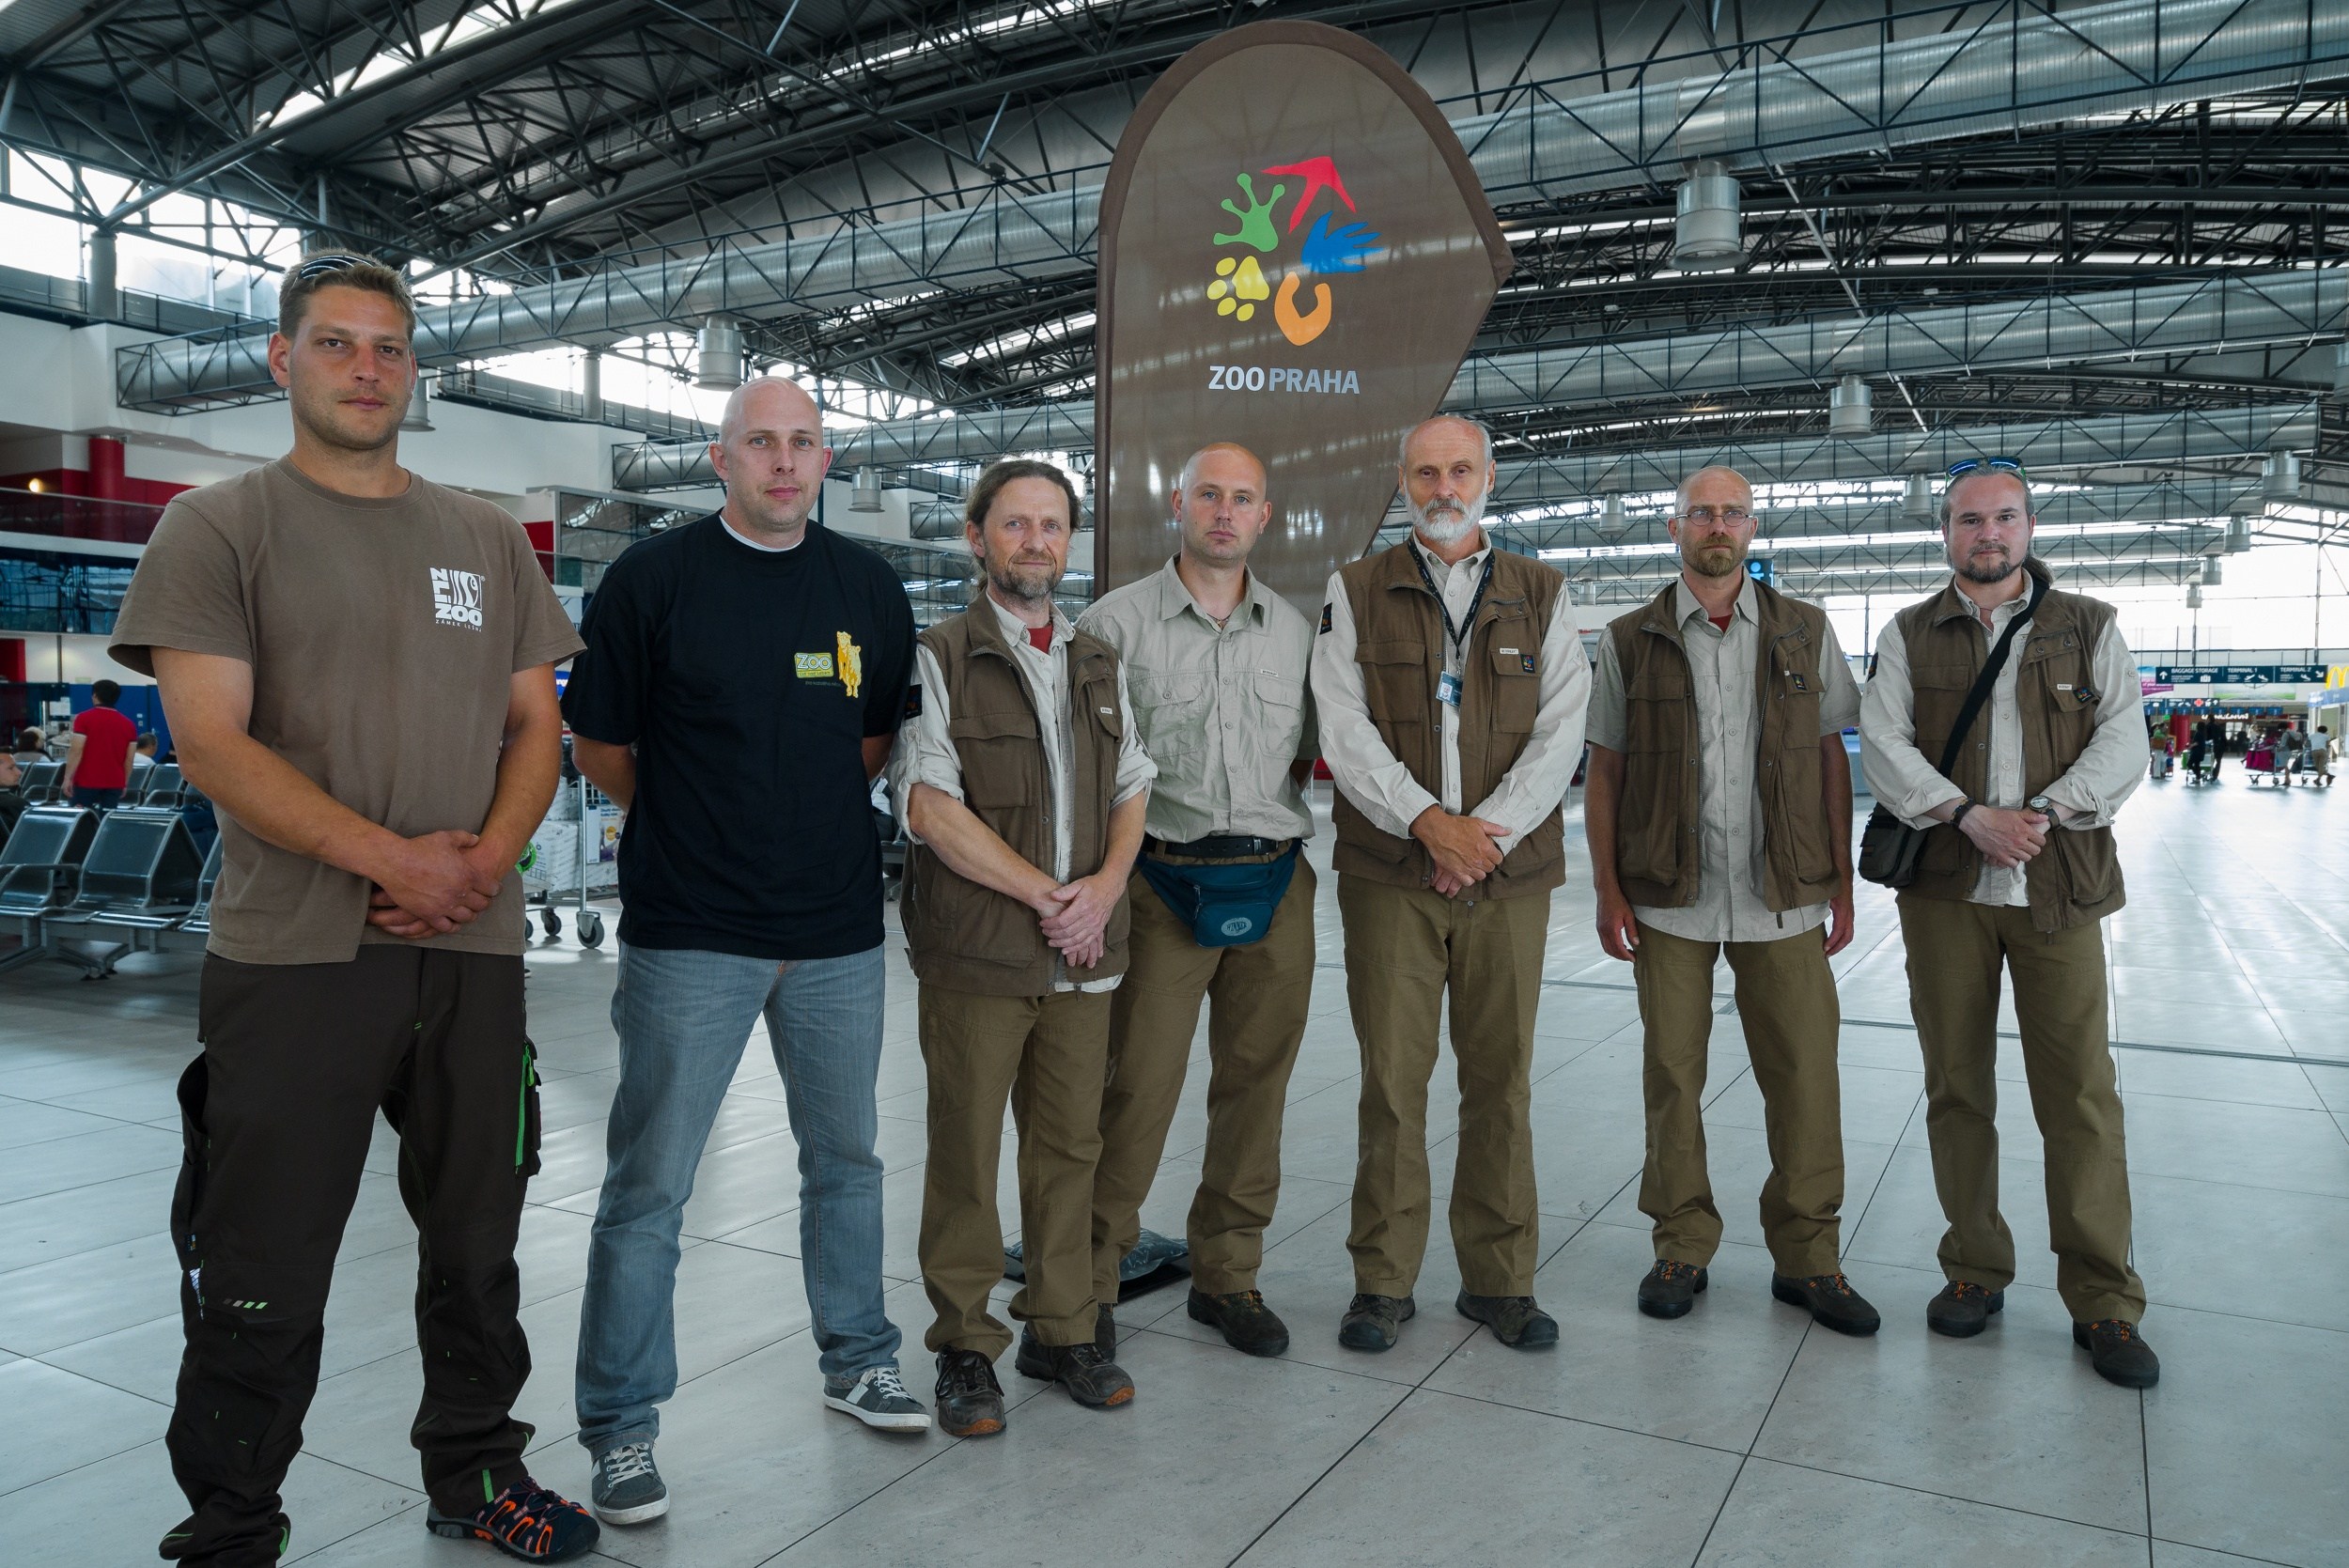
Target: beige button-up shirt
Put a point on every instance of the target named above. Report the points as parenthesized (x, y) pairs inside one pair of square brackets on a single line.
[(1908, 785), (1223, 709), (1375, 780), (1731, 872), (926, 751)]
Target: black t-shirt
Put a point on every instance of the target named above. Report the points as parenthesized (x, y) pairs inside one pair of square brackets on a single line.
[(748, 681)]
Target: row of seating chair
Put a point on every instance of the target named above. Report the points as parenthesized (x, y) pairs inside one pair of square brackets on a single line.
[(72, 879), (157, 785)]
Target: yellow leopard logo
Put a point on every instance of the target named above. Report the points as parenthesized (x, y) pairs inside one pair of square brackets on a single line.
[(850, 662)]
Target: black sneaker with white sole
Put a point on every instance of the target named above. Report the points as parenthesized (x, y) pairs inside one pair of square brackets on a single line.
[(877, 1396), (627, 1488)]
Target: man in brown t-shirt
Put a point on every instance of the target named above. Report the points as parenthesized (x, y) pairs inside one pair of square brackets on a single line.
[(358, 668)]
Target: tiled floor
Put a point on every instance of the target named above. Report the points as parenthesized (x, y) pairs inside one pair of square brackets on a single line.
[(1740, 1435)]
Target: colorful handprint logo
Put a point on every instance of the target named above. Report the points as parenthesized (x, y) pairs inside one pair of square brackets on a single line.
[(1329, 249)]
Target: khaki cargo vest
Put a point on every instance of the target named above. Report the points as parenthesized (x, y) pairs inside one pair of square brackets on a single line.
[(1399, 637), (2076, 878), (1657, 847), (969, 937)]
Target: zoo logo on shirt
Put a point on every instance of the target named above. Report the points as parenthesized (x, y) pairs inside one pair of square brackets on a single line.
[(455, 598)]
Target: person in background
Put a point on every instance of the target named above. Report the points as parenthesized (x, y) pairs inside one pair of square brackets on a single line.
[(2016, 874), (2321, 755), (1450, 685), (1216, 662), (742, 684), (97, 763), (31, 745), (12, 801), (1021, 780), (358, 666), (1726, 675)]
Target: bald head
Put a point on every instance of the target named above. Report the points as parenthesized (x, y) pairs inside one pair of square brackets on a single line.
[(1220, 506), (772, 456), (1229, 450), (1712, 486)]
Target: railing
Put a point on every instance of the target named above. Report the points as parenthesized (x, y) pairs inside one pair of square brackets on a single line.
[(51, 515)]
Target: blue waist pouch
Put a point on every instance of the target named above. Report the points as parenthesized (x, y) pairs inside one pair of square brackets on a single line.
[(1224, 906)]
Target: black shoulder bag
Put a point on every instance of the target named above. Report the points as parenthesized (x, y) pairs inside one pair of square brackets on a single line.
[(1888, 847)]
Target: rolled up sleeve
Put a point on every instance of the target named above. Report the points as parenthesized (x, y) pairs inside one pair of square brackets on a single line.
[(924, 752), (2108, 772), (1903, 782), (1135, 767)]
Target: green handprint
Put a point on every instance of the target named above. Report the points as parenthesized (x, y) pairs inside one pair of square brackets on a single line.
[(1255, 224)]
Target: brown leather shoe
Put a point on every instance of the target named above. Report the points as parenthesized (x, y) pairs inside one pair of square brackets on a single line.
[(970, 1401), (1517, 1321), (1372, 1322), (1247, 1324)]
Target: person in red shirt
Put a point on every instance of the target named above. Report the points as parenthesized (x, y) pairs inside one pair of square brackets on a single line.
[(98, 764)]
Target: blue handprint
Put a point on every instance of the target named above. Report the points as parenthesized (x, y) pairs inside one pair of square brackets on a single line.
[(1341, 250)]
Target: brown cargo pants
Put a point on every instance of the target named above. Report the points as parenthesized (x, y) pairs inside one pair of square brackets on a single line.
[(1046, 1056), (1260, 994), (1955, 952), (1404, 947), (1786, 1001)]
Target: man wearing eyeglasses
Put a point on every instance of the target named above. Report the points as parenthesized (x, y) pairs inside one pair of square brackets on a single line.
[(2018, 869), (1720, 819)]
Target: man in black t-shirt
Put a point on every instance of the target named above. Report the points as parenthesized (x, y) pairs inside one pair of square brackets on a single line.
[(742, 684)]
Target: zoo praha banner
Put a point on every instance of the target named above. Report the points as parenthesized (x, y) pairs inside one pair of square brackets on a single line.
[(1294, 255)]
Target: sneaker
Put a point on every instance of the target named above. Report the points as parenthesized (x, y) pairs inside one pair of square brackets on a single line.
[(1516, 1321), (627, 1488), (1247, 1324), (970, 1401), (877, 1398), (2118, 1352), (1670, 1289), (526, 1520), (1372, 1322), (1963, 1309), (1831, 1301), (1091, 1378)]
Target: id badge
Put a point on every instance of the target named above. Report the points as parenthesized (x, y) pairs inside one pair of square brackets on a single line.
[(1448, 688)]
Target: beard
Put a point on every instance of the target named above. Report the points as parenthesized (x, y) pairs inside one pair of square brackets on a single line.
[(1029, 581), (1714, 558), (1988, 569), (1445, 523)]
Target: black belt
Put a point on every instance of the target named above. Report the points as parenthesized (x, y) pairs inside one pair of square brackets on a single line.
[(1221, 848)]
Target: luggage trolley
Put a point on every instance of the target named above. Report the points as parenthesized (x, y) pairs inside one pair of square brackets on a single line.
[(573, 857)]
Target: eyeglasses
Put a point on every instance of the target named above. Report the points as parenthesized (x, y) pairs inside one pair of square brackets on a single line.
[(320, 266), (1972, 465), (1734, 516)]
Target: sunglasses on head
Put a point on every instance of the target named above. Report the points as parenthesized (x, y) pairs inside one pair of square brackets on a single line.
[(320, 266), (1974, 465)]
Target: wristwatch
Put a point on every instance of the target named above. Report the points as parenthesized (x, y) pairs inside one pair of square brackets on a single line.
[(2045, 808), (1959, 816)]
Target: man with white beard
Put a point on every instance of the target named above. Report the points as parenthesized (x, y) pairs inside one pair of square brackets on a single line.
[(1451, 685)]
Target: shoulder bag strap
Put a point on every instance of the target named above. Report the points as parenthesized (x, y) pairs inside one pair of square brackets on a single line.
[(1989, 678)]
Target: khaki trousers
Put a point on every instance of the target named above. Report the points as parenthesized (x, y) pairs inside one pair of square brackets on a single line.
[(1045, 1055), (1260, 995), (1954, 951), (1787, 1000), (1404, 947)]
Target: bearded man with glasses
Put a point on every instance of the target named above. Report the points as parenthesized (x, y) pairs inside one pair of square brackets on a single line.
[(2016, 793), (1450, 680), (1720, 819)]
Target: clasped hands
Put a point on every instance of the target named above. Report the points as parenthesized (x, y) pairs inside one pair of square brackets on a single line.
[(434, 884), (1464, 849), (1075, 917), (2006, 838)]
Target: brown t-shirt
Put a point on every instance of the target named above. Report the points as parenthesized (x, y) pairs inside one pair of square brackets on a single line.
[(383, 635)]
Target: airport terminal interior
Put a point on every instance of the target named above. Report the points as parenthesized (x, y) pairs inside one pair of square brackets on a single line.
[(1839, 247)]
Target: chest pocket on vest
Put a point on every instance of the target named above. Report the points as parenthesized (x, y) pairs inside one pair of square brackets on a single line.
[(1655, 707), (1516, 662), (2066, 679), (1002, 758), (1941, 691), (1395, 678), (1795, 687)]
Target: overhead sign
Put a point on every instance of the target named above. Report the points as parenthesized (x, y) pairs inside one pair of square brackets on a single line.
[(2187, 677), (1296, 255)]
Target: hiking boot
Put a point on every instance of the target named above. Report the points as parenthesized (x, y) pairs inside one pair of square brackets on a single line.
[(1514, 1320), (1830, 1300), (877, 1396), (1963, 1309), (1372, 1322), (1670, 1289), (1091, 1378), (2118, 1352), (1105, 1331), (526, 1520), (970, 1401), (627, 1488), (1247, 1324)]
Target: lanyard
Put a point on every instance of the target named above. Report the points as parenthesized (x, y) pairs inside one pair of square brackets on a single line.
[(1459, 638)]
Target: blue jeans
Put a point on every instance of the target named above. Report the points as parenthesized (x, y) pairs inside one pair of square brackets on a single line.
[(683, 1019)]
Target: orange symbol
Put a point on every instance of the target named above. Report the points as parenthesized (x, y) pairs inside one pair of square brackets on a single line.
[(1297, 328)]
